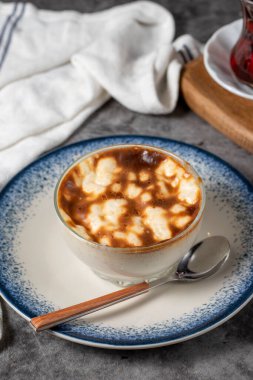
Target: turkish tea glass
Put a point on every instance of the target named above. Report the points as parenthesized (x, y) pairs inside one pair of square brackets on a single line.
[(241, 58)]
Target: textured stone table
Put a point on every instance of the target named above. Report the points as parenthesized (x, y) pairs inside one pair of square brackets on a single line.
[(223, 353)]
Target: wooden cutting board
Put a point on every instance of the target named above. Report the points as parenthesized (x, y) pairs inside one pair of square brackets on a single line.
[(229, 113)]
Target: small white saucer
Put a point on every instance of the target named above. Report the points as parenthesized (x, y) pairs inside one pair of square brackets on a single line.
[(217, 59)]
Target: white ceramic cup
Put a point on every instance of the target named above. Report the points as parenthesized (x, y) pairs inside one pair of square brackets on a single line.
[(131, 265)]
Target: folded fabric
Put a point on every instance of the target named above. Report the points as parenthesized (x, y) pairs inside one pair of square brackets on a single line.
[(56, 68)]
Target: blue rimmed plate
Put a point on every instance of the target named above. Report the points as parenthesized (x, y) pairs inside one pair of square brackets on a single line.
[(38, 273)]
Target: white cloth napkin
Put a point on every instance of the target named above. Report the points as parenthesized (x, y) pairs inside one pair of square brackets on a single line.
[(56, 68)]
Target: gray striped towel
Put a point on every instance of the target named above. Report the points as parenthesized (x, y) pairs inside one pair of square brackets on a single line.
[(56, 68)]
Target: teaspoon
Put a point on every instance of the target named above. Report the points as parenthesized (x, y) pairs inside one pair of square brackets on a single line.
[(203, 260)]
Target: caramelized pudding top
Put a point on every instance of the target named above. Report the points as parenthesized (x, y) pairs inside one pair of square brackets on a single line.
[(129, 196)]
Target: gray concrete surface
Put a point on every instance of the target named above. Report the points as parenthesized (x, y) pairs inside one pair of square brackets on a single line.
[(224, 353)]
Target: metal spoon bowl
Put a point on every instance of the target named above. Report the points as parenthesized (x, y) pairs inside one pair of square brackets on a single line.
[(203, 260)]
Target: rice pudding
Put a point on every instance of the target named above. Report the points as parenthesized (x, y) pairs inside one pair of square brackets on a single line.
[(131, 196)]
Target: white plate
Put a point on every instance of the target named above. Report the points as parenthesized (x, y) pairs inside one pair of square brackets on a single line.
[(217, 59), (38, 273)]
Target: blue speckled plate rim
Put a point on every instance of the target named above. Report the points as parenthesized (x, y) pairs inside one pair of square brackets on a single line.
[(229, 312)]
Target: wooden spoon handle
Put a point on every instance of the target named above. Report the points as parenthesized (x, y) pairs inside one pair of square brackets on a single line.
[(54, 318)]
